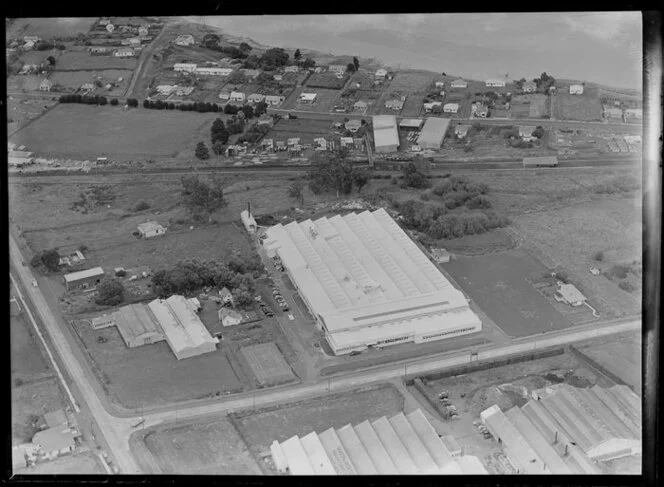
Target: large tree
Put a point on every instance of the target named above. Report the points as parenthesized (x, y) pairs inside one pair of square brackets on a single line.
[(335, 173), (202, 152), (111, 292), (202, 198), (297, 55), (218, 132), (360, 180), (51, 259), (296, 190), (356, 63)]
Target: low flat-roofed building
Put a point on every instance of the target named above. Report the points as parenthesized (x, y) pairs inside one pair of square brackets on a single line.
[(398, 445), (185, 67), (386, 135), (55, 441), (367, 283), (86, 279), (184, 331), (410, 124), (433, 132), (307, 97), (545, 161), (459, 83), (576, 90), (451, 107), (137, 325), (150, 229)]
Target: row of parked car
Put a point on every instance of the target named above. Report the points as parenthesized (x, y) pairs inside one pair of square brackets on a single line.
[(448, 410), (484, 431), (280, 299), (277, 263)]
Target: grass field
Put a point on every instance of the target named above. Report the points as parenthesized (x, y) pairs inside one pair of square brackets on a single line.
[(325, 99), (306, 129), (82, 60), (151, 375), (622, 358), (585, 107), (72, 80), (50, 27), (27, 360), (494, 241), (85, 131), (31, 400), (86, 463), (497, 283), (21, 110), (261, 428), (267, 364), (539, 107), (211, 447), (22, 83), (326, 80)]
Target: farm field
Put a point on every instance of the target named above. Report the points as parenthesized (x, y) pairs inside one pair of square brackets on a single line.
[(21, 110), (208, 447), (571, 236), (24, 83), (497, 283), (494, 241), (585, 107), (259, 429), (151, 375), (620, 357), (82, 60), (72, 80), (85, 463), (31, 400), (27, 361), (50, 27), (110, 131)]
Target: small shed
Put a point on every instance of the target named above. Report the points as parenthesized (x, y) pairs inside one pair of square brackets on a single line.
[(150, 229), (440, 255), (87, 279), (248, 221), (229, 317)]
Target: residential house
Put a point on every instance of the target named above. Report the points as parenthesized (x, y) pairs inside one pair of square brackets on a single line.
[(29, 68), (495, 83), (295, 150), (185, 40), (353, 125), (360, 105), (29, 45), (224, 95), (265, 120), (381, 74), (320, 144), (461, 131), (165, 89), (636, 113), (568, 293), (87, 87), (612, 112), (291, 69), (256, 98), (86, 279), (529, 87), (307, 97), (281, 145), (441, 256), (480, 110), (428, 107), (55, 441), (150, 229), (104, 22), (277, 77), (185, 67), (294, 141), (126, 52), (459, 83), (134, 41), (143, 30), (251, 73), (226, 296), (319, 69), (576, 90), (267, 144), (110, 28), (396, 104), (526, 132), (45, 85), (358, 142), (183, 90), (31, 39), (229, 317), (440, 84), (274, 99), (237, 96), (451, 107), (338, 69), (346, 142), (214, 71), (98, 50)]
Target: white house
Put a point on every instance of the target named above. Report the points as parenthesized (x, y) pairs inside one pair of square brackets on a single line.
[(134, 41), (381, 73), (459, 83), (127, 52), (229, 317), (274, 99), (225, 295), (395, 104), (87, 87), (529, 87), (110, 28), (496, 83), (150, 229), (224, 95), (480, 110), (360, 105), (339, 69), (183, 90), (451, 107), (320, 143), (185, 67), (346, 142), (576, 90), (428, 107), (526, 132), (277, 77), (143, 30), (256, 98), (184, 40), (45, 85), (440, 84), (213, 71), (291, 69), (55, 441), (307, 97), (165, 89), (461, 131), (29, 45), (237, 96), (353, 125)]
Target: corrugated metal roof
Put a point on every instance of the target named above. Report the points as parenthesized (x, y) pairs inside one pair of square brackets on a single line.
[(298, 461), (136, 320), (394, 446), (410, 439), (471, 465), (77, 276), (433, 132), (358, 453), (385, 131), (317, 454), (339, 456), (375, 449), (430, 438)]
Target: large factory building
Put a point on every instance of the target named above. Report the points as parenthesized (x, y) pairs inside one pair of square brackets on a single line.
[(368, 284)]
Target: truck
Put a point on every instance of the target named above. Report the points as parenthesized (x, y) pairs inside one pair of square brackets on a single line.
[(544, 161)]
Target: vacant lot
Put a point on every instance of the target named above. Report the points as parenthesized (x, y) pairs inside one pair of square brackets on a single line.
[(326, 80), (493, 241), (81, 59), (211, 447), (27, 360), (586, 107), (21, 110), (267, 364), (86, 463), (305, 128), (50, 27), (620, 357), (325, 99), (539, 106), (498, 284), (85, 131), (571, 236), (151, 375), (30, 401), (259, 429)]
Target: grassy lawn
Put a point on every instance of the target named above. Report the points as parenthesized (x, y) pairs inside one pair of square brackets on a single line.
[(72, 80), (21, 111), (325, 99), (326, 80), (209, 447), (539, 107), (259, 429), (86, 463), (111, 132), (620, 357), (306, 129), (31, 400), (50, 27), (585, 107), (81, 59), (26, 355)]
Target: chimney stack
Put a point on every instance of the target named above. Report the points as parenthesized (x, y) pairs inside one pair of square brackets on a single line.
[(249, 208)]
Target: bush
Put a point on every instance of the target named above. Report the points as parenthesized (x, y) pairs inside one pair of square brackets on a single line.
[(478, 202), (424, 197), (141, 205), (617, 271), (83, 248), (599, 256), (626, 286), (111, 293), (114, 101), (394, 180), (121, 273)]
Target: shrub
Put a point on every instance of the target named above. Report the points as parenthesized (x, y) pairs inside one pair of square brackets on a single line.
[(424, 197), (114, 101), (120, 273), (394, 180), (141, 205), (111, 292), (83, 248), (18, 382), (478, 202), (599, 256), (617, 271), (626, 286)]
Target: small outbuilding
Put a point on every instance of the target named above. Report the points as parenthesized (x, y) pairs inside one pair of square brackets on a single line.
[(229, 317), (150, 229), (87, 279)]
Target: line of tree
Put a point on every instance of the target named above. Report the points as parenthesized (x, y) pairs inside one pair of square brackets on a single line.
[(336, 173), (84, 99), (50, 259)]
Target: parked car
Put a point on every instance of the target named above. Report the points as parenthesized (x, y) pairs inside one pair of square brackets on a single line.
[(34, 283), (354, 353), (276, 291)]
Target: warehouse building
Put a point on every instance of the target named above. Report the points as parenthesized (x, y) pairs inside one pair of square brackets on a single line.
[(403, 444), (541, 161), (87, 279), (367, 283), (433, 133), (386, 136), (184, 331), (137, 325), (410, 124)]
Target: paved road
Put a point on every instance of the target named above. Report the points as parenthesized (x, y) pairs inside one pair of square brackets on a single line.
[(146, 55)]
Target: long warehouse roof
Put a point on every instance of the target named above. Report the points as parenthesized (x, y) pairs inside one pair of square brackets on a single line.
[(433, 132), (402, 444), (385, 130)]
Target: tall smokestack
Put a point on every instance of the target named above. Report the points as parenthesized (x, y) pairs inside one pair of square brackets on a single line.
[(249, 208)]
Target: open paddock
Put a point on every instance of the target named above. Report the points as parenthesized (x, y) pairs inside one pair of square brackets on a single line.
[(23, 83), (620, 357), (539, 107), (205, 447), (585, 107), (80, 59), (87, 131), (30, 400), (72, 80), (327, 80), (27, 361), (267, 364), (325, 99), (306, 129), (49, 27)]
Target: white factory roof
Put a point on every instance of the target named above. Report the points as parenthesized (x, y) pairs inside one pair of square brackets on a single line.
[(183, 329), (411, 123), (382, 447), (431, 136), (362, 275), (75, 276), (385, 130)]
